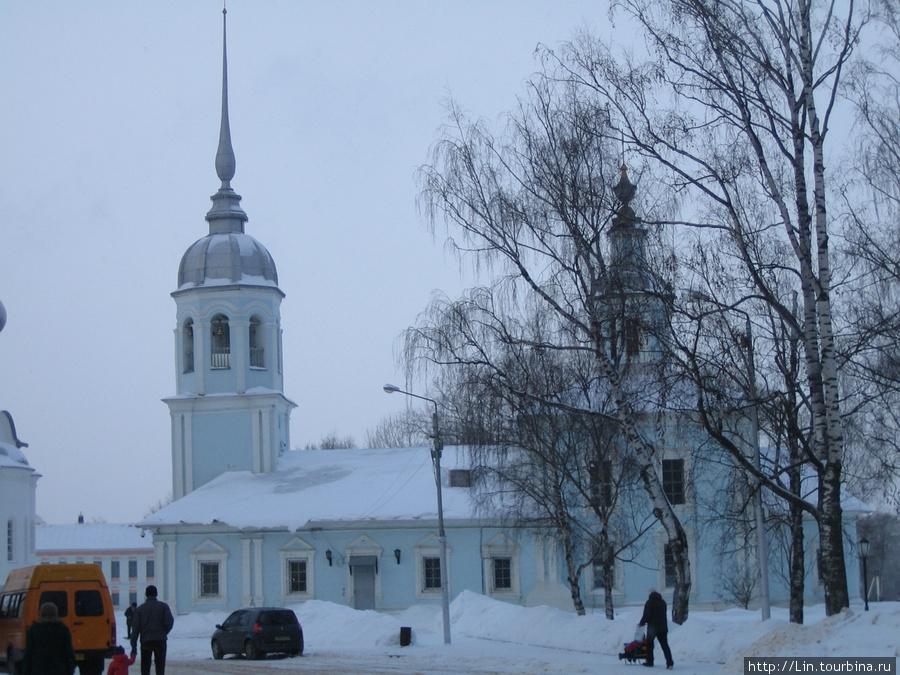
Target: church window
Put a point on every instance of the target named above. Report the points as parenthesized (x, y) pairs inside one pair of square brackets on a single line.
[(669, 566), (187, 341), (633, 336), (673, 480), (297, 576), (601, 481), (431, 573), (502, 574), (500, 558), (257, 343), (209, 579), (220, 352)]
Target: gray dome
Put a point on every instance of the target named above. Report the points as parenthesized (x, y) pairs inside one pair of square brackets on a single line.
[(227, 258)]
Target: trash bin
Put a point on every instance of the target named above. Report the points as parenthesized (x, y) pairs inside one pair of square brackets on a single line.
[(405, 636)]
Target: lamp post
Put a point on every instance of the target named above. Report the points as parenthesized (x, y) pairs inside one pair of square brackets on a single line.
[(442, 536), (864, 554)]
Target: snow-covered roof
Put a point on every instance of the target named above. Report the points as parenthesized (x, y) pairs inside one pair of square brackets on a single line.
[(95, 537), (310, 486)]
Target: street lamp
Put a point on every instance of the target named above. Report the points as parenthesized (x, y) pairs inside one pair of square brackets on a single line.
[(864, 554), (442, 536)]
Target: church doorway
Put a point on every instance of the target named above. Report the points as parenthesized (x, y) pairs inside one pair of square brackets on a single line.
[(362, 570)]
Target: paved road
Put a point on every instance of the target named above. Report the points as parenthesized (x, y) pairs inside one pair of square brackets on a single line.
[(330, 664)]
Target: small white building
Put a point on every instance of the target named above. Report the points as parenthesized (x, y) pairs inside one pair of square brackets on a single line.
[(124, 552), (18, 483)]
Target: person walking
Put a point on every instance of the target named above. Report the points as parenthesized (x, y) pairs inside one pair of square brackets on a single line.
[(48, 645), (654, 618), (129, 615), (120, 662), (151, 622)]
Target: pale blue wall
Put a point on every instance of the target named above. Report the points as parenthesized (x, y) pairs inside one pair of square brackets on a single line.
[(332, 583)]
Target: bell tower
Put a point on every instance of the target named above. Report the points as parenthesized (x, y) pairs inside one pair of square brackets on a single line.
[(229, 412)]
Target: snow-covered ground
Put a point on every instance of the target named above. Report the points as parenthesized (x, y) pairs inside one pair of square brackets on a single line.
[(495, 637)]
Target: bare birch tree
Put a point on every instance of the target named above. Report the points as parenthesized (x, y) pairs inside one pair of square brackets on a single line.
[(537, 203), (545, 448), (739, 95)]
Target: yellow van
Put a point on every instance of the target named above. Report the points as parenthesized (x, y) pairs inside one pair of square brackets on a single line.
[(82, 597)]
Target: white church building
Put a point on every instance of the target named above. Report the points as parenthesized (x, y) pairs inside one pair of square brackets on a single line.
[(256, 523), (18, 483)]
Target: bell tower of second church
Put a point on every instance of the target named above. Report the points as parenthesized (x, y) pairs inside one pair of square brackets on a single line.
[(229, 412)]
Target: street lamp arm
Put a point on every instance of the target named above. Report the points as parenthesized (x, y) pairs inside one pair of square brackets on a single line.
[(392, 389)]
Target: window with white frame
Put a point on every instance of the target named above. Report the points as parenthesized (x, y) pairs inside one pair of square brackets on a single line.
[(296, 580), (428, 567), (597, 570), (668, 566), (209, 579), (673, 480), (210, 573), (502, 573), (500, 556), (297, 570), (431, 573), (666, 560)]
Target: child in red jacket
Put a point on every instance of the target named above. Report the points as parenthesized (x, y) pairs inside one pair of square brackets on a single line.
[(120, 662)]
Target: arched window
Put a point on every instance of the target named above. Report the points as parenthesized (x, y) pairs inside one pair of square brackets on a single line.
[(220, 352), (257, 343), (187, 344)]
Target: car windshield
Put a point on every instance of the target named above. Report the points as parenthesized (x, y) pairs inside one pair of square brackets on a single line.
[(284, 617)]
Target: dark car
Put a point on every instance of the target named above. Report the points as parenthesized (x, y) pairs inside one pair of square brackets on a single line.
[(256, 631)]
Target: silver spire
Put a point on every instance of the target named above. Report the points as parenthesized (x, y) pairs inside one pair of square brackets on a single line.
[(226, 214), (225, 153)]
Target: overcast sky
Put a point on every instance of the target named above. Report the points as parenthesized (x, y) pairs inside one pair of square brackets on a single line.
[(108, 130)]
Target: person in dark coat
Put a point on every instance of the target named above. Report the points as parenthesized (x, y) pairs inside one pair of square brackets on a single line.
[(654, 618), (48, 645), (129, 615), (151, 622)]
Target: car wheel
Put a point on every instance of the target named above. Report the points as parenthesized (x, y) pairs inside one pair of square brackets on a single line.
[(251, 651), (217, 650)]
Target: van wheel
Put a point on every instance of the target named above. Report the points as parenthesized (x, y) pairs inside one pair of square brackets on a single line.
[(251, 652), (217, 650)]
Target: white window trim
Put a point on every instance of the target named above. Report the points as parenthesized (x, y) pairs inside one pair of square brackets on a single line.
[(429, 547), (501, 546), (207, 552), (660, 540), (618, 589), (297, 549)]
